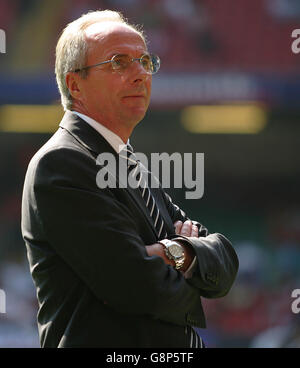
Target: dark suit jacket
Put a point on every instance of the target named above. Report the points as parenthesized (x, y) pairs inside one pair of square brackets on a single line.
[(96, 285)]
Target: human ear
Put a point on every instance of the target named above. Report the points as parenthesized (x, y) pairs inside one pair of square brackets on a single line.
[(73, 84)]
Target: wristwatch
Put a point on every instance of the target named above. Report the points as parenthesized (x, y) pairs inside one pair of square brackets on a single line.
[(174, 251)]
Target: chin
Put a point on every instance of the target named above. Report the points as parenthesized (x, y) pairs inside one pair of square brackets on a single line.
[(137, 116)]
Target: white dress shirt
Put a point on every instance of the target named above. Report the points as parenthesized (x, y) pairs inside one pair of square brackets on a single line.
[(112, 138)]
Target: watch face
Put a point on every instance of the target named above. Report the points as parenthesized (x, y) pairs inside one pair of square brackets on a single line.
[(176, 250)]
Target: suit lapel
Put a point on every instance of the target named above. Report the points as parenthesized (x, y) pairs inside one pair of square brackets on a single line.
[(96, 144), (85, 134)]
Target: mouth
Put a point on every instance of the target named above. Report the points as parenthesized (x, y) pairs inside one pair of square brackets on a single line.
[(135, 96)]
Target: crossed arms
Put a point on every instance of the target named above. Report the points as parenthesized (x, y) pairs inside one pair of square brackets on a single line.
[(187, 229), (95, 234)]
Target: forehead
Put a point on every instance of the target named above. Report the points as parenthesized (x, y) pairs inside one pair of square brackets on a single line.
[(106, 39)]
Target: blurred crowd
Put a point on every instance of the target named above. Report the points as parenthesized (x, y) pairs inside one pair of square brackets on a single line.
[(189, 35), (258, 310)]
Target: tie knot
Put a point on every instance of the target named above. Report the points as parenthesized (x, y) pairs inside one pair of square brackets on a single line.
[(129, 148), (127, 151), (128, 154)]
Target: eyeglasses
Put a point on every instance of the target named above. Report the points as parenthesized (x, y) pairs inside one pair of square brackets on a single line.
[(120, 62)]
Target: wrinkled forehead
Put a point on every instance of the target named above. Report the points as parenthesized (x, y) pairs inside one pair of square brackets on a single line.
[(110, 38)]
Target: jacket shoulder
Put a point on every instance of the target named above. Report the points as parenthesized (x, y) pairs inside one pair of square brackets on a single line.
[(60, 155)]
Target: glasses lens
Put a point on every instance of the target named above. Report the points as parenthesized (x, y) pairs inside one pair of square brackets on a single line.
[(154, 63), (120, 62), (150, 63), (145, 61)]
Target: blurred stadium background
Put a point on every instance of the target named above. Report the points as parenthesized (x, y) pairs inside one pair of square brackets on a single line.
[(229, 86)]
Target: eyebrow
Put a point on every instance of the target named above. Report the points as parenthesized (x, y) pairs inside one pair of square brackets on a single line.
[(110, 55)]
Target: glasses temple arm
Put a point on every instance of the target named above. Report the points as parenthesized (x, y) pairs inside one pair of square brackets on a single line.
[(91, 66)]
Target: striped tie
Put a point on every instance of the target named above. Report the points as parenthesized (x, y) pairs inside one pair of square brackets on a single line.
[(137, 172), (135, 169), (195, 340)]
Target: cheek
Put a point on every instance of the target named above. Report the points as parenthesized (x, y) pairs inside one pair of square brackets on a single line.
[(96, 93), (148, 84), (148, 87), (108, 91), (87, 91)]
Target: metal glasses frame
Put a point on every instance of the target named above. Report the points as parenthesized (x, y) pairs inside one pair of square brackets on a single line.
[(152, 57)]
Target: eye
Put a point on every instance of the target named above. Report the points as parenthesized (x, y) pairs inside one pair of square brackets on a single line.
[(120, 61), (146, 62)]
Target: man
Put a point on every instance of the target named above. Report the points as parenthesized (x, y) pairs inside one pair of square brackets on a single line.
[(105, 274)]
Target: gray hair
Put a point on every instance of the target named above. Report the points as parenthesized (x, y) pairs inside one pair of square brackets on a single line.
[(71, 49)]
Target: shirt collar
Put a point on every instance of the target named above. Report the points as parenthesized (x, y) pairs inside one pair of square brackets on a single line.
[(112, 138)]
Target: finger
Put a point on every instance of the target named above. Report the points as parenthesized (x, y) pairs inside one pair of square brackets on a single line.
[(178, 226), (195, 231), (186, 228)]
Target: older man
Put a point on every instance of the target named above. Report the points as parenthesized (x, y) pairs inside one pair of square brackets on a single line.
[(122, 266)]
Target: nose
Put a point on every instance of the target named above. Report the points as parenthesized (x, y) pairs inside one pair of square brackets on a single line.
[(138, 73)]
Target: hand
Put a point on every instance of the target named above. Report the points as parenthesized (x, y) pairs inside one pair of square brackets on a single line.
[(186, 228), (157, 249)]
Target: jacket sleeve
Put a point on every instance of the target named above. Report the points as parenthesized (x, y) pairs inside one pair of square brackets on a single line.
[(217, 262), (94, 233)]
